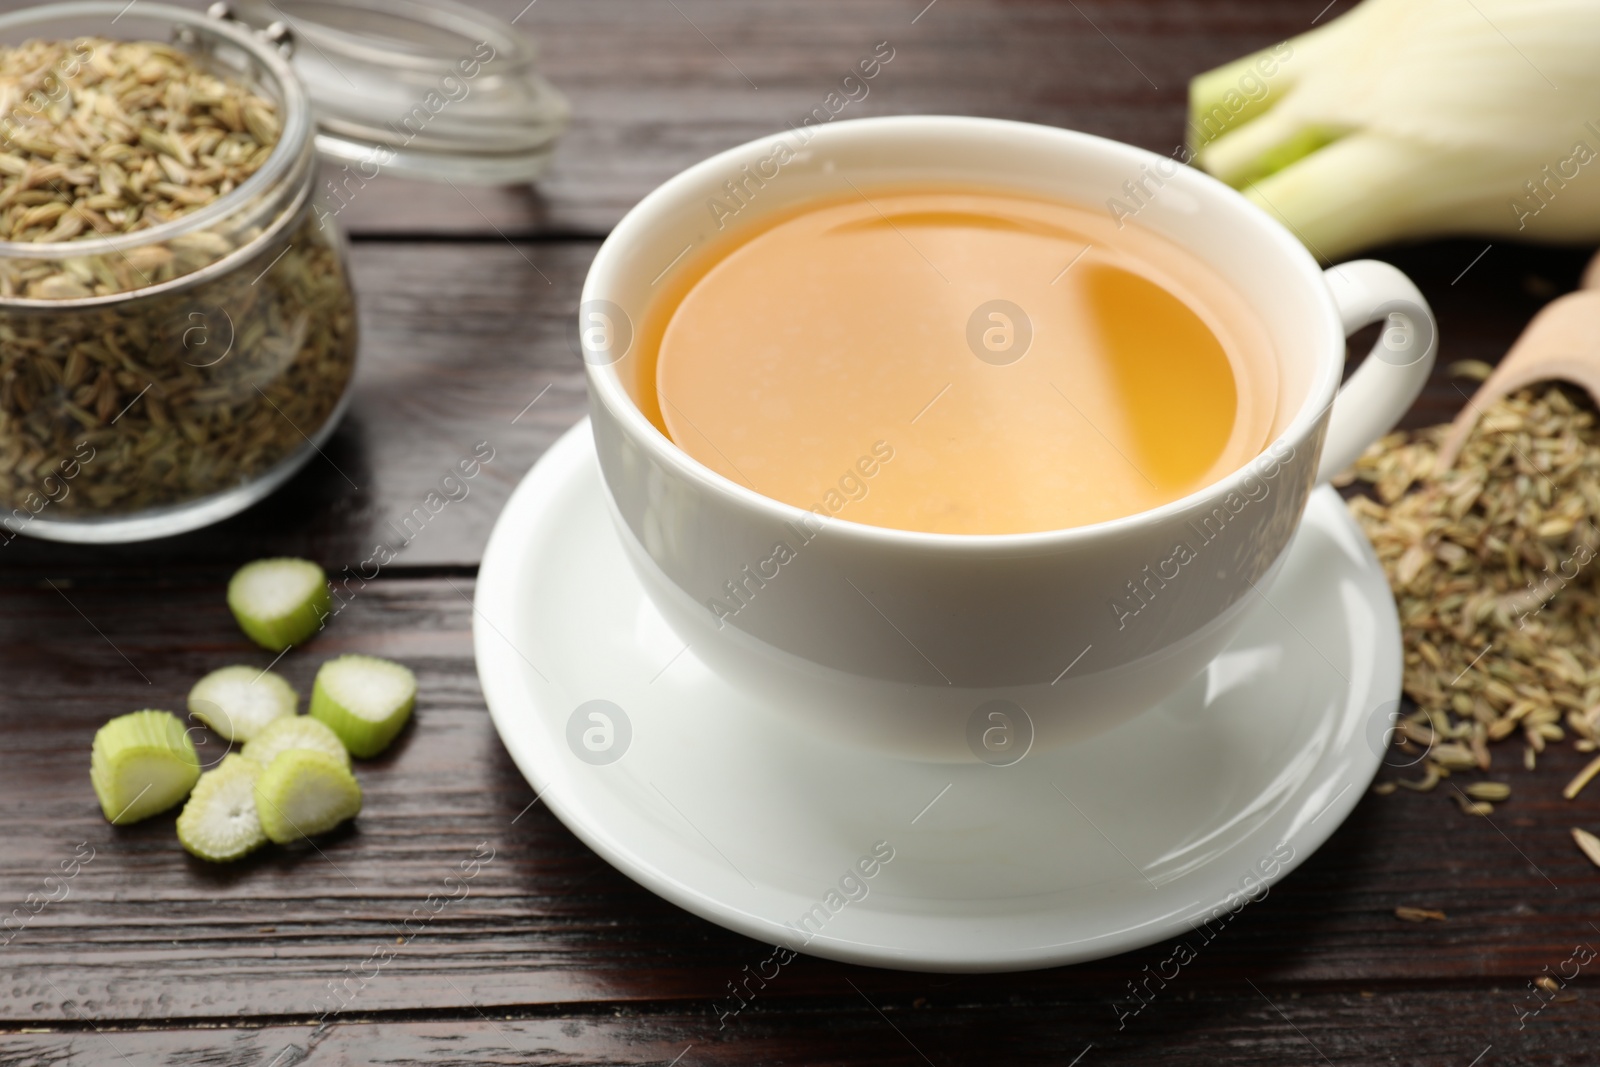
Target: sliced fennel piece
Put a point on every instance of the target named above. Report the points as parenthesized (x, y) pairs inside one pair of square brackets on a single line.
[(279, 602), (295, 731), (239, 702), (219, 823), (142, 764), (365, 700), (303, 794)]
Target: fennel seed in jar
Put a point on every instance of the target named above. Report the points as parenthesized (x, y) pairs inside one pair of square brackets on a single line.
[(125, 384), (100, 138)]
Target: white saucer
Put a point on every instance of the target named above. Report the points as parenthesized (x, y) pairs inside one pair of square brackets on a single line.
[(1090, 850)]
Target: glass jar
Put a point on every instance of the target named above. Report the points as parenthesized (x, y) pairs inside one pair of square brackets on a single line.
[(158, 381)]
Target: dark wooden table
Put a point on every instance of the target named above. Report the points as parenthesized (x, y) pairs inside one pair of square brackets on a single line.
[(466, 302)]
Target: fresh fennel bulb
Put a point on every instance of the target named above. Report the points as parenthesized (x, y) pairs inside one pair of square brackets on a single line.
[(1416, 118)]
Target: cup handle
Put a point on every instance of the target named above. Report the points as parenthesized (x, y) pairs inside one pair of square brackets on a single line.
[(1383, 388)]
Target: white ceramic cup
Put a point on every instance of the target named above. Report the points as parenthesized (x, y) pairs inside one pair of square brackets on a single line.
[(951, 646)]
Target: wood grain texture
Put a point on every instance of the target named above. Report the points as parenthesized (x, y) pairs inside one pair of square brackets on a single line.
[(656, 87), (1267, 1025)]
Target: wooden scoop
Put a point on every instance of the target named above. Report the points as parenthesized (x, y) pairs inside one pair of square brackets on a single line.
[(1562, 342)]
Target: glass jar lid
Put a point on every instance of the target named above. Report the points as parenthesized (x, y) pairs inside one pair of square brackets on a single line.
[(429, 90)]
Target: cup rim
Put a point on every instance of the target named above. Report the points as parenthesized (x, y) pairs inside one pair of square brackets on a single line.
[(606, 385)]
